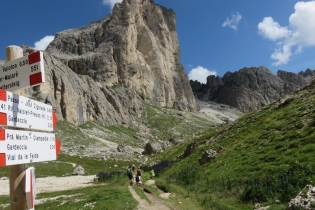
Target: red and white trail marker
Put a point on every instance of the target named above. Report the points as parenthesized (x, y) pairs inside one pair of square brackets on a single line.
[(21, 147), (22, 112), (30, 188), (23, 72)]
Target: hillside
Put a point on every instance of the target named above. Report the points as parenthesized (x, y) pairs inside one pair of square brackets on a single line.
[(263, 157)]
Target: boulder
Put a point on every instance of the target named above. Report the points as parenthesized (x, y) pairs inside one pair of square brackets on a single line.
[(207, 156), (152, 148), (79, 170)]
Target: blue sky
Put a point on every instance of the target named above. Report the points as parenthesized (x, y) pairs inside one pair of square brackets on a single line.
[(215, 36)]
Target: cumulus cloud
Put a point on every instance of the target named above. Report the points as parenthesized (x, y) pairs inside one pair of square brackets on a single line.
[(293, 38), (111, 3), (43, 43), (200, 74), (270, 29), (233, 22)]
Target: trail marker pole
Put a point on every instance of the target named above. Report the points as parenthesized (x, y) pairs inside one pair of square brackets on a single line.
[(17, 172)]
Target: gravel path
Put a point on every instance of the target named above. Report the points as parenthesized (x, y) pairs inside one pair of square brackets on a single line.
[(53, 184), (156, 203)]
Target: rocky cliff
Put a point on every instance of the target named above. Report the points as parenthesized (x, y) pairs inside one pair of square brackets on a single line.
[(136, 47), (108, 70), (250, 88)]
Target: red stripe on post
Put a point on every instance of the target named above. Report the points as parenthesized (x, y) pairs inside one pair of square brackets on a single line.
[(3, 95), (35, 78), (33, 58), (55, 119), (2, 134), (3, 119), (57, 146), (2, 159)]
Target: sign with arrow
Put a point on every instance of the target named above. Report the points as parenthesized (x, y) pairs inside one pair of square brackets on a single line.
[(21, 147), (22, 112), (23, 72)]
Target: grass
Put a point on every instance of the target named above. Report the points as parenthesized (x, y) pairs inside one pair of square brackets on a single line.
[(112, 196), (277, 141)]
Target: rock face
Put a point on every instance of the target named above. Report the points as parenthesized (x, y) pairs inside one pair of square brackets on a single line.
[(135, 47), (78, 98), (250, 88), (108, 70)]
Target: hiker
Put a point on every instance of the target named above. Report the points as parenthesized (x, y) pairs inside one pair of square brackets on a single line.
[(138, 176), (130, 176), (152, 174), (133, 172)]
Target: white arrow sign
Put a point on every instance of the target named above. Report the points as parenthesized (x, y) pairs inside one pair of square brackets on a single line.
[(22, 112), (23, 72), (21, 147)]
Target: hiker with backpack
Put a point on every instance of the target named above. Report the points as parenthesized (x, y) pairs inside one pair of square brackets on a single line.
[(133, 172), (138, 176), (130, 176)]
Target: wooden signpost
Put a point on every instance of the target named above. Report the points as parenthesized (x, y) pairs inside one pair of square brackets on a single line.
[(18, 147)]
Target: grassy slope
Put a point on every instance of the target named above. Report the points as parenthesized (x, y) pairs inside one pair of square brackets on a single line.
[(263, 143)]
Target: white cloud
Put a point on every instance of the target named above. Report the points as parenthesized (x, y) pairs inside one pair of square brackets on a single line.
[(200, 74), (232, 23), (270, 29), (43, 43), (299, 33), (111, 3)]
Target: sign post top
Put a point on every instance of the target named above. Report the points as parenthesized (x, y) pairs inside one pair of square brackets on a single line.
[(23, 72)]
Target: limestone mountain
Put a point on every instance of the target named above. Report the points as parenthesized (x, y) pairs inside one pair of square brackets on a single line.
[(106, 71), (250, 88)]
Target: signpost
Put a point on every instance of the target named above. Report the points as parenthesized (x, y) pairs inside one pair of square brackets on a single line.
[(22, 112), (20, 147), (23, 72)]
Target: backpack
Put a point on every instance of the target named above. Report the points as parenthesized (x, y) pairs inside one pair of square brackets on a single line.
[(137, 179), (128, 171)]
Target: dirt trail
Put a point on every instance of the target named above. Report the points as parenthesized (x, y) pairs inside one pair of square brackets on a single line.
[(156, 203)]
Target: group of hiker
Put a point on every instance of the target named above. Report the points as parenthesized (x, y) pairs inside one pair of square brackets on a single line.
[(135, 176)]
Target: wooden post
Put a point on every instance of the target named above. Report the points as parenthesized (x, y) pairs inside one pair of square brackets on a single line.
[(17, 172)]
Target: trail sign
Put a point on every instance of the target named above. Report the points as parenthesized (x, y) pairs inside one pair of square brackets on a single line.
[(30, 189), (23, 72), (21, 147), (22, 112)]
